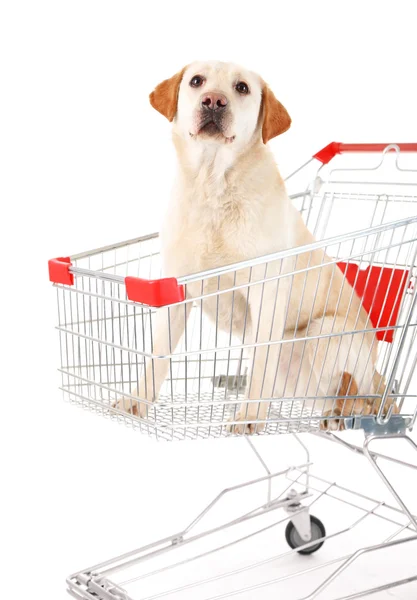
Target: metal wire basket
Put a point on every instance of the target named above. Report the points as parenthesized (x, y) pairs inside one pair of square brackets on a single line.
[(109, 300)]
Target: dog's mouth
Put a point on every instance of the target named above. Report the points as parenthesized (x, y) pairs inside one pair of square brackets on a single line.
[(212, 128)]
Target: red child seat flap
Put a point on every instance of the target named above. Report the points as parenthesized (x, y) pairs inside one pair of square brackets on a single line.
[(381, 290)]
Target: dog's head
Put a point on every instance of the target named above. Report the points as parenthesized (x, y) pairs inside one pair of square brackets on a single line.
[(220, 103)]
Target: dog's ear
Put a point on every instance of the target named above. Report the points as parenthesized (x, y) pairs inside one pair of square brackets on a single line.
[(276, 120), (164, 98)]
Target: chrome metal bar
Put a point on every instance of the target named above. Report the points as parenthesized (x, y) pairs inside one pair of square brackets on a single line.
[(251, 566), (358, 450), (390, 383), (180, 536), (265, 466), (381, 588), (310, 160), (325, 584), (348, 258), (110, 247), (355, 493), (236, 346), (383, 477), (352, 559), (275, 256), (308, 462), (185, 541)]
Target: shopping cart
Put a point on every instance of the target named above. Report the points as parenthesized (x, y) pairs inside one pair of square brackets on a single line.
[(364, 218)]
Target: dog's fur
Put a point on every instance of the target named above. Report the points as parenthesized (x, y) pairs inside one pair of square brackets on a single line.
[(229, 204)]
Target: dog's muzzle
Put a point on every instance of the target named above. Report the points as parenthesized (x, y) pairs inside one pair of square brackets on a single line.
[(212, 116)]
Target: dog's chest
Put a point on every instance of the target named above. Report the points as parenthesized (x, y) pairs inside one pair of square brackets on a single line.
[(212, 232)]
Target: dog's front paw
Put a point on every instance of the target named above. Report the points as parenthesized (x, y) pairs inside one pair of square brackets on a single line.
[(247, 427), (332, 424), (131, 406)]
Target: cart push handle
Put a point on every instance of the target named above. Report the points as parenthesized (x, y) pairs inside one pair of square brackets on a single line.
[(326, 154)]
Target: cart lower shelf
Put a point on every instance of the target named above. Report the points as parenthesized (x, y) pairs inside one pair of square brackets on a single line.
[(324, 532)]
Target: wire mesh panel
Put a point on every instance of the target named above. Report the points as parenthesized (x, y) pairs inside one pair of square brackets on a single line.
[(335, 325)]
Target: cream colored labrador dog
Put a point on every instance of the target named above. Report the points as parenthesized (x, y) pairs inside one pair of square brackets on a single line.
[(229, 204)]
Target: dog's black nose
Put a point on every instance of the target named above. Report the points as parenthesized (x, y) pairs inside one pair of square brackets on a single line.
[(214, 101)]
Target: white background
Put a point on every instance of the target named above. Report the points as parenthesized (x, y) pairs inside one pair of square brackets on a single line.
[(84, 162)]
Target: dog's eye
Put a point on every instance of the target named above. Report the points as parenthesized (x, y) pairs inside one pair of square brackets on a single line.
[(242, 87), (196, 81)]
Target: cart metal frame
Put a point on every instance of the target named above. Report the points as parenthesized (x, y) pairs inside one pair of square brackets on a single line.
[(108, 300), (108, 580)]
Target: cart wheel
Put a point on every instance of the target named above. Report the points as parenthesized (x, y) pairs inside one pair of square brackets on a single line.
[(294, 540)]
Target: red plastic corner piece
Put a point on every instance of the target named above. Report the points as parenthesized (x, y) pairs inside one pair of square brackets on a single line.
[(59, 270), (154, 292), (326, 154)]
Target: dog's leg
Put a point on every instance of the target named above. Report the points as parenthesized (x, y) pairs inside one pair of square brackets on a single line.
[(343, 365), (267, 307), (345, 407), (356, 406), (380, 385), (168, 330)]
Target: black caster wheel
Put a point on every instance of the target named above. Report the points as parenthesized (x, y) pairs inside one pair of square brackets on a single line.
[(294, 540)]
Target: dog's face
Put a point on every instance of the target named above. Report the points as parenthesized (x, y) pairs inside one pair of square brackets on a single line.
[(220, 103)]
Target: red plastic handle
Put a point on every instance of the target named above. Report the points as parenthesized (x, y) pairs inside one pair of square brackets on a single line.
[(152, 292), (326, 154)]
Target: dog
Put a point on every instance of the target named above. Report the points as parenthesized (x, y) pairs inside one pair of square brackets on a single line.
[(229, 204)]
